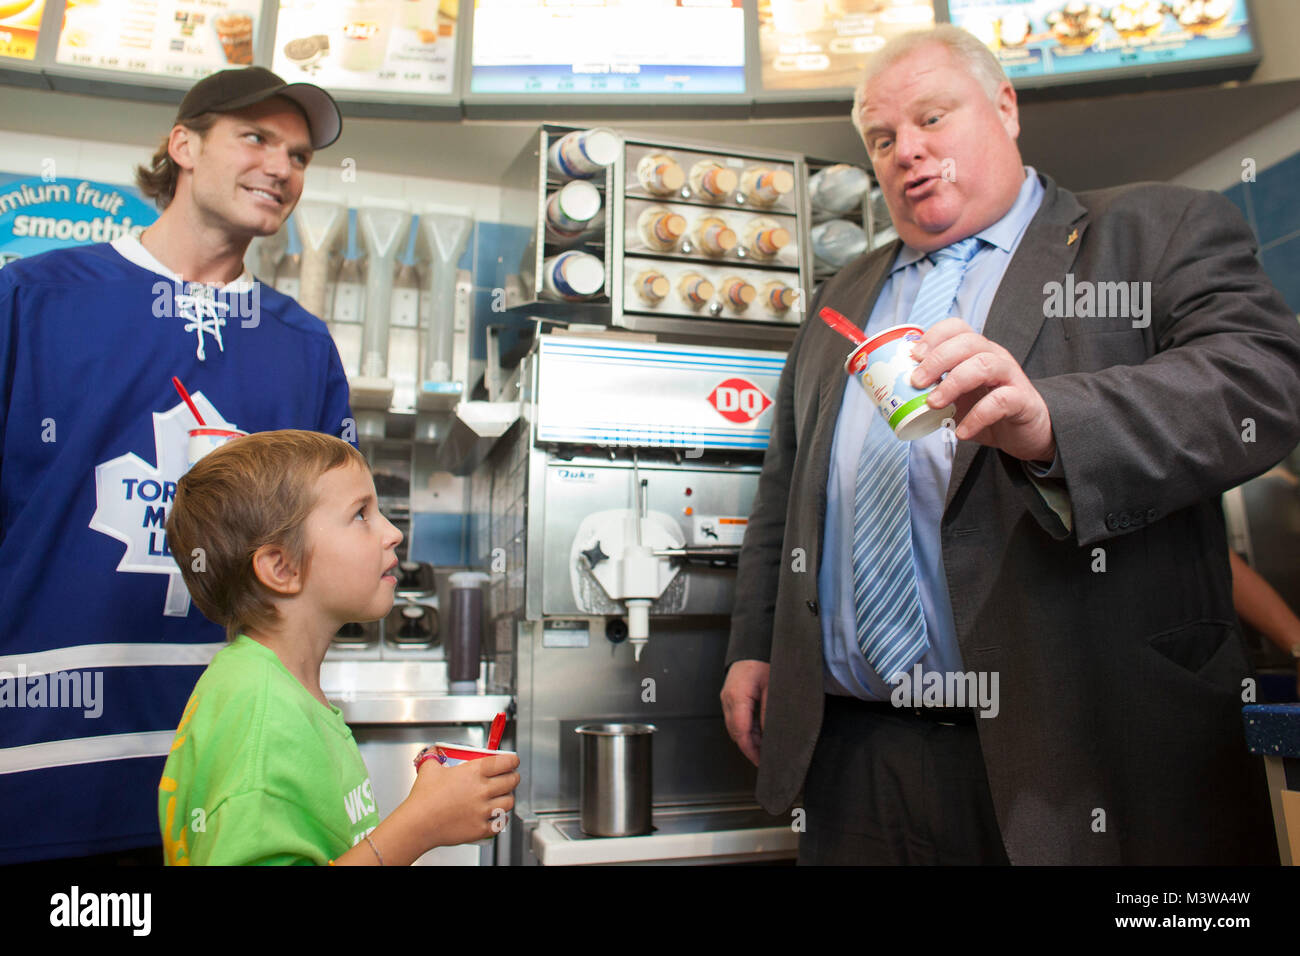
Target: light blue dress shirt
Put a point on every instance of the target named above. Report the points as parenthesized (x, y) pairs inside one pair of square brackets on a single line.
[(930, 466)]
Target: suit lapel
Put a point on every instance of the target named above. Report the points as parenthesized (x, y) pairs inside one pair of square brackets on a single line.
[(854, 299), (1016, 315)]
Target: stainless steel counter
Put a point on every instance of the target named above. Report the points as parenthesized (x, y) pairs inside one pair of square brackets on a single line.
[(722, 834), (407, 708), (406, 692)]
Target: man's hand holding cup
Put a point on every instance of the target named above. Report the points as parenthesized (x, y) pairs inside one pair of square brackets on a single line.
[(996, 403)]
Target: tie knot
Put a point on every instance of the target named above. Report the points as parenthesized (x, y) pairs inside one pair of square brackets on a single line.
[(963, 250)]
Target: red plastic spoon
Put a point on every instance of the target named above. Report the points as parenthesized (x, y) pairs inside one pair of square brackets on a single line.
[(498, 728), (189, 401), (842, 325)]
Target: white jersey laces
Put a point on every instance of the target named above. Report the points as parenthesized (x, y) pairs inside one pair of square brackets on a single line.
[(203, 314)]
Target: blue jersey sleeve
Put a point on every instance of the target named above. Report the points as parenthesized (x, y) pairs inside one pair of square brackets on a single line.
[(8, 348), (336, 413)]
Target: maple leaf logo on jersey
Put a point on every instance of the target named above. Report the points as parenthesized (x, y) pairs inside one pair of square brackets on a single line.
[(133, 497)]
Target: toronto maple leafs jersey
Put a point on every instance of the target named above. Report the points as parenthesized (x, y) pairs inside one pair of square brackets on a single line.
[(99, 644)]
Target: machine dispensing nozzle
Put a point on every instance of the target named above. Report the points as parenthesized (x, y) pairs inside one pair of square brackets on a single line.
[(623, 554), (638, 625), (641, 585)]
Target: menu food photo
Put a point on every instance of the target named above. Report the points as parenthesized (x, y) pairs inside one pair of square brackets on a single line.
[(182, 38), (20, 24), (824, 44), (375, 45), (608, 46), (1045, 37)]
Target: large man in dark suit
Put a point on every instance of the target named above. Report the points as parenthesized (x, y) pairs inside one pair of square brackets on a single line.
[(1077, 550)]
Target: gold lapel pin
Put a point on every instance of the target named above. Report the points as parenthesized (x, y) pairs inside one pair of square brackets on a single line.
[(1073, 236)]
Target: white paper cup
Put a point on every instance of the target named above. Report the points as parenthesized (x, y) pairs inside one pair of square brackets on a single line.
[(883, 365), (204, 440)]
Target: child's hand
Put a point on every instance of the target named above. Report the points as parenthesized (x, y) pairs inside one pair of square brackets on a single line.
[(462, 804)]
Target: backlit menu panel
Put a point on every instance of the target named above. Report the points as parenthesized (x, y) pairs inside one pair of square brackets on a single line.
[(608, 47), (380, 46), (824, 44), (20, 23), (182, 38), (1035, 38)]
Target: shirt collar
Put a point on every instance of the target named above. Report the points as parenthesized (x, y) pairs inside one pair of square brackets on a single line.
[(132, 249), (1004, 233)]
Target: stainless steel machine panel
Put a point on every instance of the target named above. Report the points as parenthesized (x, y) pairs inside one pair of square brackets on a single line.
[(719, 501), (694, 760)]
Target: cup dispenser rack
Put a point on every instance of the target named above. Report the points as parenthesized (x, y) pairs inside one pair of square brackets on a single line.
[(847, 215), (690, 240)]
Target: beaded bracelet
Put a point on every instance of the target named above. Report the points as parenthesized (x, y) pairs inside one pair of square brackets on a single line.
[(428, 753)]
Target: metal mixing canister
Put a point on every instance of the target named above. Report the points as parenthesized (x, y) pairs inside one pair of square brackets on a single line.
[(617, 782)]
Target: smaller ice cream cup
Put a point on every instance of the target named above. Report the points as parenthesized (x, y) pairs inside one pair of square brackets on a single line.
[(451, 755), (883, 365), (204, 440)]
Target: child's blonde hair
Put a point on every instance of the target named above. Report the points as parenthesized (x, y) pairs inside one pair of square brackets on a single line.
[(255, 490)]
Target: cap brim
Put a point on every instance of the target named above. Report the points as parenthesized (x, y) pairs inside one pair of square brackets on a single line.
[(322, 112), (323, 117)]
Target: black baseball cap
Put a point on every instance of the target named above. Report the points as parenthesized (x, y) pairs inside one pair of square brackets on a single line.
[(234, 89)]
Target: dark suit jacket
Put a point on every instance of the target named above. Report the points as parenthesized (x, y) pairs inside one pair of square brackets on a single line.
[(1119, 738)]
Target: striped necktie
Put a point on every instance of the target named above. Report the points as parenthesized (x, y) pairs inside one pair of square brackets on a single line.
[(891, 625)]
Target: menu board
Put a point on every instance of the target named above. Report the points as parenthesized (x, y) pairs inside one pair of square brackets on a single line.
[(824, 44), (406, 46), (20, 22), (608, 46), (182, 38), (1053, 37)]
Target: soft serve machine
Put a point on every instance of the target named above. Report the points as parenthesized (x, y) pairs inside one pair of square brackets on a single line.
[(611, 515)]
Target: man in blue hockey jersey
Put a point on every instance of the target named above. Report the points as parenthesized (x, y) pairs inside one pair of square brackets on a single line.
[(100, 646)]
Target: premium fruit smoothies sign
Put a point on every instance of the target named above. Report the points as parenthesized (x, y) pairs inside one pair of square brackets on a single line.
[(40, 213), (20, 22), (373, 45), (606, 47), (182, 38)]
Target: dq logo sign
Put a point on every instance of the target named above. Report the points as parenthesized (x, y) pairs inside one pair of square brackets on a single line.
[(738, 400)]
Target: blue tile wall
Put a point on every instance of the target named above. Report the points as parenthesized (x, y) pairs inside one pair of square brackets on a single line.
[(439, 539), (1276, 201), (1237, 194), (1271, 205), (467, 257), (498, 247), (1282, 263)]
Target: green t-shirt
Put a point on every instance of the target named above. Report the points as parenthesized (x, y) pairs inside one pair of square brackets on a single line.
[(261, 771)]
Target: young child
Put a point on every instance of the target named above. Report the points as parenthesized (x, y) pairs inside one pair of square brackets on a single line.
[(279, 538)]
